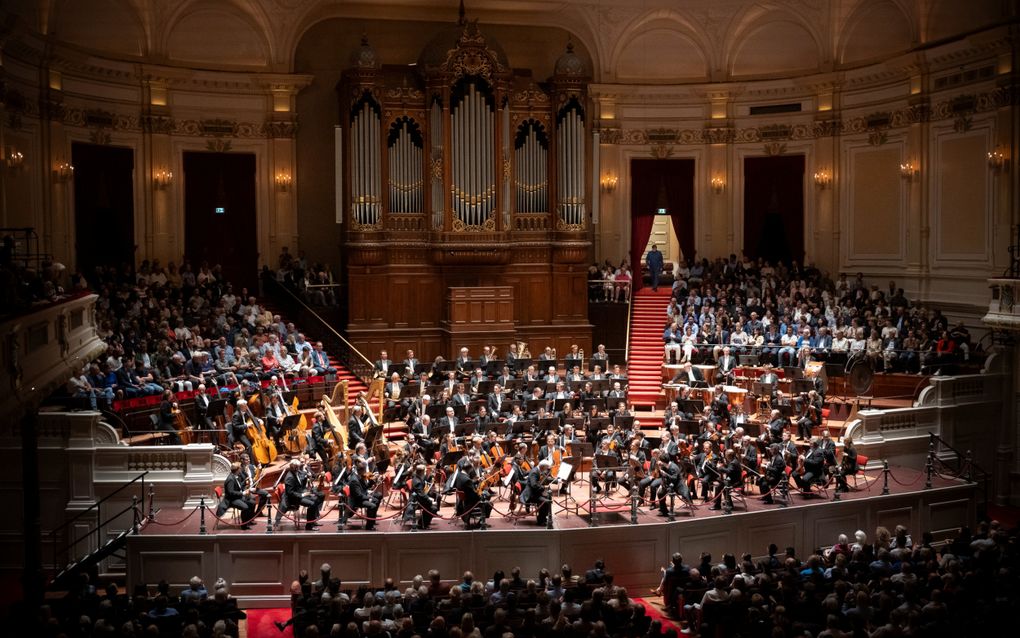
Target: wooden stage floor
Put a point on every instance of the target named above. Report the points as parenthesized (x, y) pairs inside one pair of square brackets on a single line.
[(611, 510)]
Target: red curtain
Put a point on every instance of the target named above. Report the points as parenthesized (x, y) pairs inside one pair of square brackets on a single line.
[(647, 180), (774, 208)]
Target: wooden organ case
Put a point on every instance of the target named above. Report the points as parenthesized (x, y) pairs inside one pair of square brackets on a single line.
[(459, 172)]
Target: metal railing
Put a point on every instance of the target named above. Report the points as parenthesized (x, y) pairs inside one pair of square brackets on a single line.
[(964, 467), (61, 556), (630, 312), (312, 322)]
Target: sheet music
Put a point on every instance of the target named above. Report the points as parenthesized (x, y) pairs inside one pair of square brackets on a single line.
[(564, 472)]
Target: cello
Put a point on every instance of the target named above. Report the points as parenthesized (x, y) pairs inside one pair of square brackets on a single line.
[(261, 445)]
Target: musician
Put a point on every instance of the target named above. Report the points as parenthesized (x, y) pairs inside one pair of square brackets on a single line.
[(848, 465), (775, 472), (732, 476), (668, 446), (562, 392), (609, 455), (298, 493), (813, 468), (705, 466), (547, 354), (574, 357), (234, 496), (382, 365), (588, 392), (239, 423), (495, 399), (727, 364), (811, 414), (492, 446), (419, 495), (202, 400), (652, 479), (670, 478), (720, 407), (597, 374), (690, 377), (476, 381), (392, 391), (463, 361), (551, 376), (516, 414), (551, 445), (460, 396), (504, 377), (617, 373), (410, 363), (450, 382), (356, 426), (567, 437), (601, 356), (448, 424), (788, 447), (167, 417), (534, 491), (483, 420), (828, 448), (512, 355), (275, 414), (320, 446), (575, 374), (418, 408), (251, 480), (361, 494), (421, 432), (749, 455), (362, 458), (770, 381), (485, 358), (468, 497)]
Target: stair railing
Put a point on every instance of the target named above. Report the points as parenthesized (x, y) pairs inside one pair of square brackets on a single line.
[(341, 348), (630, 313), (62, 555)]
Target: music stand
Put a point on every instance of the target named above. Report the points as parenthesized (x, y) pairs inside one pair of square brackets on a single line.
[(421, 367), (464, 429), (535, 404), (494, 367), (748, 360), (623, 422), (599, 403), (521, 365), (549, 424), (485, 387)]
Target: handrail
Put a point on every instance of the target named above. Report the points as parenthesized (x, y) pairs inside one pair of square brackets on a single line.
[(361, 365), (960, 455), (101, 501), (630, 311)]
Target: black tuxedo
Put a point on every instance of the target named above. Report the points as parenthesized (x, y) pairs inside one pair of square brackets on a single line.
[(296, 486), (360, 497), (383, 367), (234, 497)]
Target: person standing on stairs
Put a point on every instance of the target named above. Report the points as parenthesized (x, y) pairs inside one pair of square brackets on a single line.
[(654, 262)]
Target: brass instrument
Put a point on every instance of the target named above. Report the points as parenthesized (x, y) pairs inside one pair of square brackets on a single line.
[(522, 350)]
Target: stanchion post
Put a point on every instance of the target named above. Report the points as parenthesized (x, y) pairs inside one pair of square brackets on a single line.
[(134, 515), (482, 524), (413, 503), (341, 515), (784, 491), (269, 517), (885, 478), (929, 465), (835, 493), (672, 503), (633, 504), (152, 502), (727, 500), (592, 517), (201, 516), (549, 515)]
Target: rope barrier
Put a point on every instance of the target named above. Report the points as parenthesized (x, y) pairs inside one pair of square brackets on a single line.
[(902, 484), (153, 521)]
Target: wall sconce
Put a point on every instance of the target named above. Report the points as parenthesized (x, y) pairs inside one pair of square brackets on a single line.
[(823, 179), (63, 173), (283, 182), (908, 171), (608, 183), (14, 159), (162, 179), (997, 160), (718, 185)]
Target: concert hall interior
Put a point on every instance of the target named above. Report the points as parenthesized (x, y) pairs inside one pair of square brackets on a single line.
[(565, 294)]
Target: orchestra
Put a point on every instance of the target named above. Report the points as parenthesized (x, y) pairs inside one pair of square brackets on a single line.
[(490, 435)]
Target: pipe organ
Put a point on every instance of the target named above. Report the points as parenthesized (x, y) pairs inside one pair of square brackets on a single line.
[(486, 184)]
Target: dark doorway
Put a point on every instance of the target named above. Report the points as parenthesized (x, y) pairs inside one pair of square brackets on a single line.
[(219, 214), (655, 184), (774, 208), (104, 205)]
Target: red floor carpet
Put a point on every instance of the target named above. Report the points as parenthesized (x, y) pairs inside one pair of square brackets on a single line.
[(260, 623), (644, 369)]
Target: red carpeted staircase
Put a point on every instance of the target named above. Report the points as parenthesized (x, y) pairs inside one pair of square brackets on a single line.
[(644, 367)]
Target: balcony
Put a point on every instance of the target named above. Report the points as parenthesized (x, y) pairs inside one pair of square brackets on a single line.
[(42, 348), (1004, 308)]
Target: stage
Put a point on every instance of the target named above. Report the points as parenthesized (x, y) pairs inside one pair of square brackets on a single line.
[(259, 565)]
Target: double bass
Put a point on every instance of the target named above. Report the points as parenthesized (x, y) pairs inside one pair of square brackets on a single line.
[(182, 424), (261, 445)]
